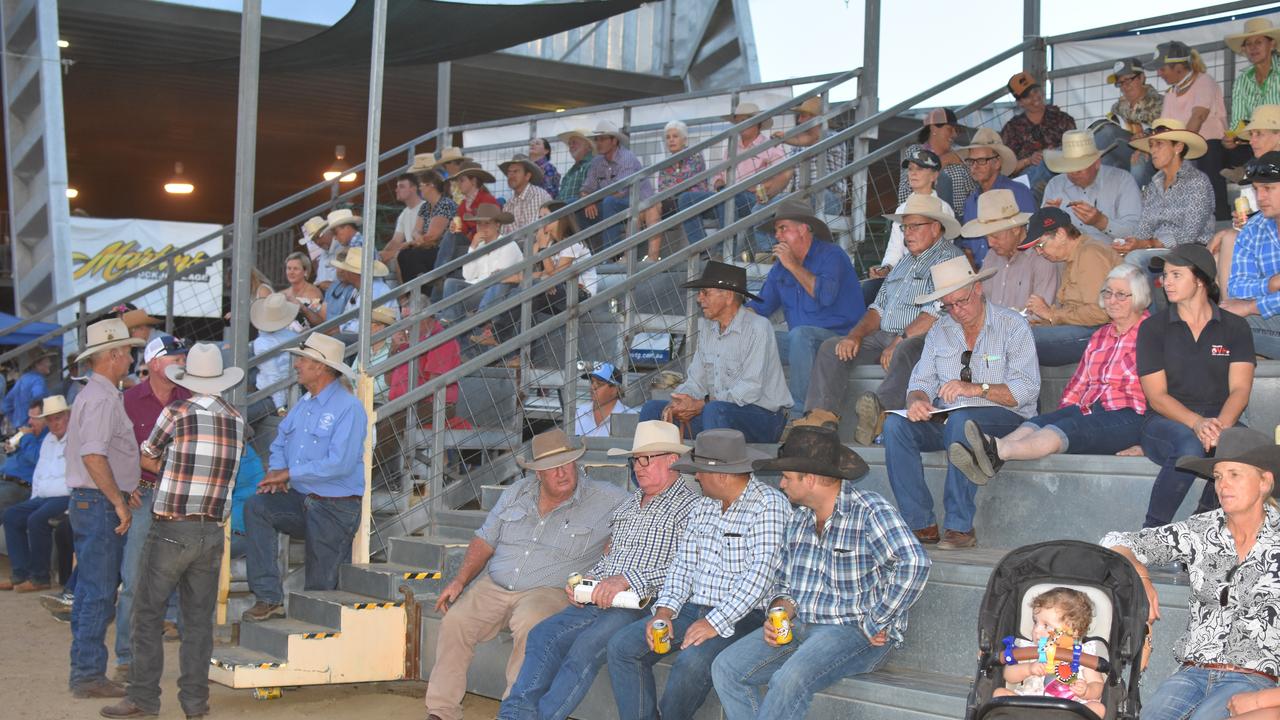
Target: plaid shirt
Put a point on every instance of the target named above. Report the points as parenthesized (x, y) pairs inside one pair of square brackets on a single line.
[(728, 557), (645, 538), (1025, 138), (1256, 259), (525, 206), (204, 437), (1108, 372), (865, 569), (571, 182)]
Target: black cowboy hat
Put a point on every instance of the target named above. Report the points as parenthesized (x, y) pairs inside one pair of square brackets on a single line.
[(817, 450), (722, 276), (1240, 445)]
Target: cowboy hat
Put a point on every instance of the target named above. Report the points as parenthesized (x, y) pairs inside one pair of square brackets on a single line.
[(473, 169), (1168, 53), (311, 228), (604, 127), (107, 334), (952, 275), (422, 162), (568, 135), (1078, 152), (492, 213), (531, 166), (52, 405), (326, 350), (204, 372), (816, 450), (799, 211), (990, 139), (1173, 131), (354, 262), (138, 318), (720, 451), (653, 437), (721, 276), (1265, 117), (748, 109), (812, 106), (453, 154), (1241, 445), (342, 216), (930, 207), (383, 315), (273, 312), (997, 210), (1252, 27), (550, 449), (1124, 68)]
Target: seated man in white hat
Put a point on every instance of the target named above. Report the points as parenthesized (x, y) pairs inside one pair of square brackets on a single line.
[(524, 177), (341, 227), (580, 148), (543, 529), (979, 363), (314, 480), (1017, 275), (27, 533), (990, 162), (1256, 85), (613, 161), (565, 652), (1103, 202), (835, 158), (195, 448)]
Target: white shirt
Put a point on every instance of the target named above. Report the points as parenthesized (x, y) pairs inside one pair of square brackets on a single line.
[(588, 279), (897, 246), (407, 221), (324, 271), (585, 421), (497, 261), (277, 368), (50, 477)]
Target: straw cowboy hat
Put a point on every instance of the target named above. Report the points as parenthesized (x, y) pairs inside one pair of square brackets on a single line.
[(384, 315), (138, 318), (422, 162), (204, 372), (990, 139), (653, 437), (930, 207), (453, 154), (604, 127), (1173, 131), (326, 350), (568, 135), (799, 211), (311, 228), (722, 276), (816, 450), (720, 451), (1077, 153), (107, 334), (473, 169), (997, 210), (273, 312), (812, 106), (1241, 445), (1252, 27), (341, 216), (952, 275), (550, 449), (531, 166), (492, 213), (748, 109), (354, 262), (53, 405), (1265, 117)]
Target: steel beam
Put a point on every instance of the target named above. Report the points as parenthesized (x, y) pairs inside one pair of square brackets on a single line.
[(243, 252)]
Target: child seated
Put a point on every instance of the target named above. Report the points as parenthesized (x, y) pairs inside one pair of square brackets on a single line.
[(1056, 612)]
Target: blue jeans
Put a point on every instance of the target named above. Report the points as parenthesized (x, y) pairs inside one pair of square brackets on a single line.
[(1194, 693), (631, 667), (1038, 177), (29, 537), (457, 311), (757, 424), (1266, 335), (1163, 442), (816, 657), (609, 207), (494, 294), (137, 537), (98, 553), (797, 347), (563, 655), (744, 203), (905, 440), (1122, 155), (1058, 345), (1101, 432), (327, 524)]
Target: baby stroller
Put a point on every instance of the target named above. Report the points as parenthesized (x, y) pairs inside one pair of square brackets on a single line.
[(1119, 625)]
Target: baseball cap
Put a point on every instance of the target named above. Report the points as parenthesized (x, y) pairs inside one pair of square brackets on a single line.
[(926, 159), (941, 116), (606, 372), (1124, 68), (162, 345), (1187, 255), (1021, 84), (1265, 169), (1169, 52), (1045, 220)]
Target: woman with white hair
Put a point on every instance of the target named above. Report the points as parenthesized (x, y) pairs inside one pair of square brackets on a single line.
[(676, 137), (1102, 408)]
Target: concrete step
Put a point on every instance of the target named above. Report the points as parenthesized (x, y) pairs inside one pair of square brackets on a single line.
[(273, 636), (325, 607), (466, 519), (383, 580)]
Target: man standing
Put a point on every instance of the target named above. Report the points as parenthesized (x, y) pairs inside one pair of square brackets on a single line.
[(1017, 275), (524, 177), (567, 649), (314, 480), (1254, 282), (408, 195), (990, 163), (28, 388), (612, 162), (27, 534), (543, 529), (1104, 202), (715, 587), (102, 471), (195, 447), (849, 571), (580, 150)]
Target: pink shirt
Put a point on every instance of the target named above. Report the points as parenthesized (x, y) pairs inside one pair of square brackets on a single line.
[(1204, 92), (752, 164)]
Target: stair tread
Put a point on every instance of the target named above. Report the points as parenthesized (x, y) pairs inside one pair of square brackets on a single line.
[(341, 597), (237, 655), (393, 568), (908, 679), (292, 626)]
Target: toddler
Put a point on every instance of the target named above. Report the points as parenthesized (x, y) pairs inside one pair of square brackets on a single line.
[(1060, 611)]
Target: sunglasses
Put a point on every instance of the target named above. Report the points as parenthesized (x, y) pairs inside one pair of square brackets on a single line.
[(966, 373)]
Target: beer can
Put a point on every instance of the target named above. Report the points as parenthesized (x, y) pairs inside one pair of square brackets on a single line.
[(661, 630), (761, 194), (1242, 205), (456, 225), (267, 693), (575, 580), (781, 624)]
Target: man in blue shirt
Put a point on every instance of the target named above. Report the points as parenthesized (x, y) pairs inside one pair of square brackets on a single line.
[(314, 480), (20, 463), (815, 285), (28, 388), (990, 163), (1255, 264)]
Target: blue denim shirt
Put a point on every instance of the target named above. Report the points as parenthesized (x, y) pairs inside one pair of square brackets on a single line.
[(321, 442), (836, 303), (336, 298), (21, 463), (29, 388)]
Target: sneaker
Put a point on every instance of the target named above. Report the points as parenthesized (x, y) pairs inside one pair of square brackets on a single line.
[(103, 688), (963, 460), (984, 449), (125, 709), (956, 540), (262, 611), (870, 418), (927, 536), (57, 602)]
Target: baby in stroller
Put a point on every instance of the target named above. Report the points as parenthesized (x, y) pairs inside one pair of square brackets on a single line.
[(1057, 612)]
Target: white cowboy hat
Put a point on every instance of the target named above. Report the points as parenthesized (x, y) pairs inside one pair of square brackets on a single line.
[(53, 405), (1252, 27), (311, 228), (568, 135), (930, 207), (653, 437), (107, 334), (1265, 117), (326, 350), (604, 127), (452, 154), (353, 261), (273, 312), (1077, 153), (341, 216), (749, 109), (550, 449), (990, 139), (204, 372), (422, 162), (1173, 131), (997, 210), (952, 275)]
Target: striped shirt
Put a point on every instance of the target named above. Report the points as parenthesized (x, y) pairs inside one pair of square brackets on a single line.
[(1256, 259), (866, 568), (1108, 372), (728, 557), (896, 301), (645, 537), (1247, 94), (204, 439), (1181, 214), (524, 207), (1004, 354)]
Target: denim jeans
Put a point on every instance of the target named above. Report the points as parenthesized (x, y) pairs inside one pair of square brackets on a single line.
[(11, 493), (609, 207), (1101, 432), (757, 424), (183, 556), (631, 667), (98, 553), (29, 538), (1194, 693), (327, 524), (744, 203), (1122, 155), (905, 440), (816, 657), (457, 311), (1163, 442), (562, 657), (494, 294), (137, 537), (1266, 335), (798, 347), (1038, 176), (1058, 345)]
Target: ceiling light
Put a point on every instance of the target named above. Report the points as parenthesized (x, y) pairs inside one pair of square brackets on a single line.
[(559, 110), (339, 167), (64, 44), (178, 184), (72, 193)]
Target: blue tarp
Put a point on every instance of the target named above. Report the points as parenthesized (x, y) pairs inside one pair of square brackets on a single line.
[(27, 333)]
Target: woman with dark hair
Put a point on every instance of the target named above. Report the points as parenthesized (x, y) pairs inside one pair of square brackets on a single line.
[(423, 251), (540, 154), (938, 137)]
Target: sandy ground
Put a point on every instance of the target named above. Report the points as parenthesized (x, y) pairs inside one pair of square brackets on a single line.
[(33, 681)]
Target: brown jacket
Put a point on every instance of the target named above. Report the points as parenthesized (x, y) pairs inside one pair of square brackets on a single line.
[(1083, 275)]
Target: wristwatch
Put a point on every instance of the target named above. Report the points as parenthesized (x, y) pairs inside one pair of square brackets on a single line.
[(986, 388)]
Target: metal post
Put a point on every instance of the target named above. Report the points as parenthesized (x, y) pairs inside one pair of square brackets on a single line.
[(869, 81), (1033, 59), (243, 250), (171, 274), (444, 82)]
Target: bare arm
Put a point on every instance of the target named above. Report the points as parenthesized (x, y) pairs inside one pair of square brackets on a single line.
[(1153, 598), (478, 554), (1198, 116), (435, 231), (1239, 385)]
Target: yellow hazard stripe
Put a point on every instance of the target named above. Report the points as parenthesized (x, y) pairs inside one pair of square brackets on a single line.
[(422, 576), (375, 605), (255, 666), (319, 635)]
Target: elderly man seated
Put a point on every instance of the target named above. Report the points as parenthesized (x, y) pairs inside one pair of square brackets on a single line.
[(1018, 275), (28, 536), (1254, 283), (1104, 202), (21, 458), (978, 364), (990, 163), (734, 379), (816, 287), (543, 529)]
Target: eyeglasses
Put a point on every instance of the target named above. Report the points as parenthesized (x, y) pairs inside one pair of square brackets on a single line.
[(1108, 294), (1224, 593), (966, 374), (949, 307), (1128, 79), (636, 461), (1039, 247), (912, 227), (980, 161)]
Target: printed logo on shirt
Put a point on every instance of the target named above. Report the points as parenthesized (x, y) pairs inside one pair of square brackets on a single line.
[(326, 421), (1219, 351)]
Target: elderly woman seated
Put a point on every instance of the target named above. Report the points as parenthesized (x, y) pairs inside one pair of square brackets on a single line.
[(676, 137), (1101, 409)]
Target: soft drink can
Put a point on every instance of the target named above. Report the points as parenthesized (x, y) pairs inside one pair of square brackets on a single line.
[(661, 630), (781, 624), (761, 194), (267, 693)]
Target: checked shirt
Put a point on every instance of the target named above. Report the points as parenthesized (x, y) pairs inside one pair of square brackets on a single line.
[(204, 437), (645, 538)]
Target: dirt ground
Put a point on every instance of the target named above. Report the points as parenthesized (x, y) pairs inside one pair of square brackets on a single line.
[(33, 681)]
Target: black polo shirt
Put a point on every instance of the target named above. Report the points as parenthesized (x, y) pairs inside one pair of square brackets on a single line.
[(1196, 371)]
